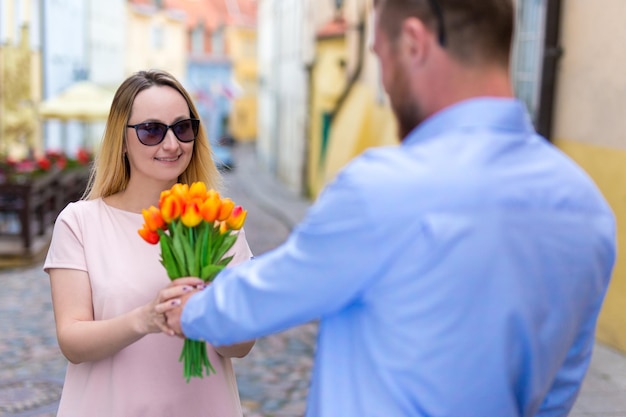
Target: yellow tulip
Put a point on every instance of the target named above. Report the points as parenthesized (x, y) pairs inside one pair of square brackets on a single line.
[(191, 215), (181, 191), (197, 190), (171, 208), (237, 218)]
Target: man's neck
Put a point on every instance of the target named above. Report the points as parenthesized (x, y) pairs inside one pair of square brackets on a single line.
[(458, 83)]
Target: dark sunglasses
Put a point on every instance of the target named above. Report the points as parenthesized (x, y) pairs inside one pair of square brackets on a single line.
[(441, 31), (153, 133)]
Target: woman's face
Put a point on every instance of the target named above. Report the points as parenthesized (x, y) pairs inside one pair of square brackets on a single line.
[(167, 160)]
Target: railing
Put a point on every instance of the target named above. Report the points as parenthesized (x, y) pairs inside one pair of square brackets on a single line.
[(35, 203)]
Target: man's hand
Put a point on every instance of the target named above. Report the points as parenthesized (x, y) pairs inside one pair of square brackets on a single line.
[(172, 308)]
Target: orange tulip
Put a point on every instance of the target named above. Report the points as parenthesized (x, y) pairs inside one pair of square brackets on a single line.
[(181, 191), (210, 207), (163, 196), (225, 209), (191, 217), (153, 219), (171, 208), (148, 235), (237, 218), (197, 190), (223, 228)]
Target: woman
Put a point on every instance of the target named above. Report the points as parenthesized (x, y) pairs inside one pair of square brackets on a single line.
[(107, 281)]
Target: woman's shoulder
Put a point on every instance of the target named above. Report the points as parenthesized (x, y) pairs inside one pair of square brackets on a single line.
[(81, 208)]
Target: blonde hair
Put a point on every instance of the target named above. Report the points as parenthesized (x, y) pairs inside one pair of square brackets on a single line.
[(110, 172)]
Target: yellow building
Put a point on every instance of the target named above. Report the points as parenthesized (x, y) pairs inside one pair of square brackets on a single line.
[(586, 112), (349, 109), (241, 42), (590, 126), (20, 82), (157, 39)]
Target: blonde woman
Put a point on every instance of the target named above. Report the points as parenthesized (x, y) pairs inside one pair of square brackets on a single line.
[(106, 281)]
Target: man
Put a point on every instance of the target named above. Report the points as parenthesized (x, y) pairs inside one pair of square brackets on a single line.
[(459, 274)]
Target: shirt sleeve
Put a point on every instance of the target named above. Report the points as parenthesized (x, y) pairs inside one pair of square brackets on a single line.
[(311, 275), (66, 246), (567, 383)]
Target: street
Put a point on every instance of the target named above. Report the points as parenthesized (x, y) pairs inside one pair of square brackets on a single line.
[(273, 379)]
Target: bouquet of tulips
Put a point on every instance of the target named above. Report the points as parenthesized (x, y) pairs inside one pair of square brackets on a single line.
[(195, 228)]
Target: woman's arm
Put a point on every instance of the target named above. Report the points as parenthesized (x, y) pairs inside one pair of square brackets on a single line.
[(83, 339), (238, 350)]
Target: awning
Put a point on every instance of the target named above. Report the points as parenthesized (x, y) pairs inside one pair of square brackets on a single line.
[(83, 101)]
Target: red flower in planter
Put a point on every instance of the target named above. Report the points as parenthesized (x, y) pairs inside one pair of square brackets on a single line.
[(83, 157), (44, 164)]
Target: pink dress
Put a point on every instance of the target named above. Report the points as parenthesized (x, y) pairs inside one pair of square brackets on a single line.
[(145, 378)]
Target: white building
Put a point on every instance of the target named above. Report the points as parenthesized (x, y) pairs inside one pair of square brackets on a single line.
[(286, 51)]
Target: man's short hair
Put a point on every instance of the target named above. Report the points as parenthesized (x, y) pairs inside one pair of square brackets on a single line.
[(474, 30)]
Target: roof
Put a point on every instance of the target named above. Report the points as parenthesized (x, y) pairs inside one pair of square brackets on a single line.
[(212, 13), (334, 28)]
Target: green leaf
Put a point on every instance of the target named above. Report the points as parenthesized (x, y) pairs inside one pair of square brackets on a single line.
[(167, 258), (227, 242), (225, 261), (204, 243), (210, 271), (201, 247), (180, 247)]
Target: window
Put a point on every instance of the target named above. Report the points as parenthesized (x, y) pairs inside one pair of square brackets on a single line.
[(217, 42), (527, 59), (197, 40), (157, 36)]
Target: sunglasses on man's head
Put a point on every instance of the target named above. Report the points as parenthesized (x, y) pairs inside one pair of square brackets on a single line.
[(153, 133), (441, 30)]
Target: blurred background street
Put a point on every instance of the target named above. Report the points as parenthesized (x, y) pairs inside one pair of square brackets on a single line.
[(273, 379), (289, 92)]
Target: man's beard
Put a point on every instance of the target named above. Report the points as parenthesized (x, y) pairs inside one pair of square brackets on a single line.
[(405, 107), (407, 115)]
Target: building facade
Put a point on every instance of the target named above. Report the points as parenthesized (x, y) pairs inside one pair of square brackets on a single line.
[(156, 38), (20, 78), (564, 68), (589, 124)]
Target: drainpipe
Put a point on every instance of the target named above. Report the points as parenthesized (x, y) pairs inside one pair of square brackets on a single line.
[(357, 71), (552, 53)]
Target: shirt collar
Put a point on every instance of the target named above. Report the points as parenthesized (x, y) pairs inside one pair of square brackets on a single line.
[(489, 113)]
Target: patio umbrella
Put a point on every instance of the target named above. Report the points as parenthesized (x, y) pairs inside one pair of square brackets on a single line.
[(83, 101)]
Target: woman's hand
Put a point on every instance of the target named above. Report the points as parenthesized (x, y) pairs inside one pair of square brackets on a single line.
[(168, 298)]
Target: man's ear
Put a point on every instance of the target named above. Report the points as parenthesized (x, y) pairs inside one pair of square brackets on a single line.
[(416, 39)]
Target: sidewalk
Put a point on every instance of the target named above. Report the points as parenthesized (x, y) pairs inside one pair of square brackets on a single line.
[(267, 192)]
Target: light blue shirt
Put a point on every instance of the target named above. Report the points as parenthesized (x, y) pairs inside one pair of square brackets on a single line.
[(459, 274)]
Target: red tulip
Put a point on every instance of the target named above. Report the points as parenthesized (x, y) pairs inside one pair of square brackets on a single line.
[(149, 235), (153, 219)]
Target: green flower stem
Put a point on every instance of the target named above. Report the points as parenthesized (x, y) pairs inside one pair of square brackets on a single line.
[(198, 251)]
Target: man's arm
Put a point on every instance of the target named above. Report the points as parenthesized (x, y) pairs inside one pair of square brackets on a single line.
[(324, 265)]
